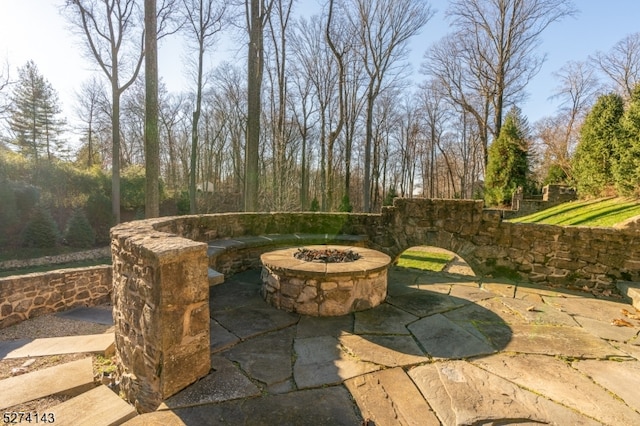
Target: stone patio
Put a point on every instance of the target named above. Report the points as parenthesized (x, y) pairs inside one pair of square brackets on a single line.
[(442, 350)]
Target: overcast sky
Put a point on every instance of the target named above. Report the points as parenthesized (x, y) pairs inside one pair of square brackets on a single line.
[(35, 30)]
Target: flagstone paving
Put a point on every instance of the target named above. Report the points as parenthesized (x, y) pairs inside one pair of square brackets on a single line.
[(442, 350)]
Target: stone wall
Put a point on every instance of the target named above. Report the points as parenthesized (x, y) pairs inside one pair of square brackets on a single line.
[(94, 254), (588, 257), (161, 313), (160, 270), (27, 296)]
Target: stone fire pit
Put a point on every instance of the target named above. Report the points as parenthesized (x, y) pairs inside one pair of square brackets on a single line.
[(324, 289)]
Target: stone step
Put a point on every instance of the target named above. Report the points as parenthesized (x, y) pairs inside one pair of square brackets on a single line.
[(631, 292), (98, 407), (70, 378), (102, 344), (215, 277)]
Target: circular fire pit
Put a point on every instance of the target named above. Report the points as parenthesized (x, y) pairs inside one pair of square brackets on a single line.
[(320, 288)]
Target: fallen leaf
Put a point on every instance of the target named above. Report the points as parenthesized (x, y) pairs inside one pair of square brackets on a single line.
[(532, 309), (621, 323), (606, 293), (630, 315)]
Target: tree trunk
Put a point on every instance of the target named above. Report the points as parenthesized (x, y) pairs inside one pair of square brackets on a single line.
[(366, 184), (115, 138), (254, 84), (151, 142)]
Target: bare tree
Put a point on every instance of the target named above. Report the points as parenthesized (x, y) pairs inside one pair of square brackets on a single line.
[(5, 81), (316, 62), (383, 29), (114, 38), (91, 108), (303, 108), (257, 12), (577, 90), (203, 21), (490, 59), (557, 136), (622, 64), (278, 27), (172, 116)]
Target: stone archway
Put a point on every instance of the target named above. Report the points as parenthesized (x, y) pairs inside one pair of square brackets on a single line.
[(449, 261)]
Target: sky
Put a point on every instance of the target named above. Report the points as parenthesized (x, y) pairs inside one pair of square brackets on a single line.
[(36, 30)]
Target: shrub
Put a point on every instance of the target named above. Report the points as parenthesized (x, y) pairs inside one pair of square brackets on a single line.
[(182, 203), (41, 231), (315, 205), (345, 204), (79, 232), (26, 198), (8, 210), (99, 214), (391, 194)]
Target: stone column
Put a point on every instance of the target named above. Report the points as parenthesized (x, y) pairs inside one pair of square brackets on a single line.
[(161, 313)]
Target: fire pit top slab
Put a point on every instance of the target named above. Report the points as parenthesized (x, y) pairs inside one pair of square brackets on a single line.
[(370, 261)]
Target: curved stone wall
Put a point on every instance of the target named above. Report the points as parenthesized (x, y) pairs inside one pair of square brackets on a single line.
[(160, 287)]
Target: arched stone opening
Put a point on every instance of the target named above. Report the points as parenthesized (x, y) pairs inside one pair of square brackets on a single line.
[(434, 259)]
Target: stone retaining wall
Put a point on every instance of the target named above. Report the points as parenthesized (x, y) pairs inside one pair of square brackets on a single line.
[(93, 254), (27, 296), (161, 312), (160, 270)]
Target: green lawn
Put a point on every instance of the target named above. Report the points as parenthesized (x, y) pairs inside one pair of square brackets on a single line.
[(424, 260), (600, 212)]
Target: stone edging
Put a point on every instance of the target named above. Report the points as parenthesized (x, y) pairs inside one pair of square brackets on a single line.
[(53, 260)]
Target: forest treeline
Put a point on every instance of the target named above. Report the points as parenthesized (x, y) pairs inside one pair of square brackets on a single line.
[(323, 113)]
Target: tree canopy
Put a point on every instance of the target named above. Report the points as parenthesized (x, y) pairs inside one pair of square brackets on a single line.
[(34, 115), (595, 152), (508, 167)]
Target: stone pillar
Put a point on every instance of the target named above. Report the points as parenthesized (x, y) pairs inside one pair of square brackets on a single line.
[(161, 313)]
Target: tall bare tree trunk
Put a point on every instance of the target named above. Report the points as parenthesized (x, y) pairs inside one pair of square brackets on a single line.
[(255, 64), (151, 142)]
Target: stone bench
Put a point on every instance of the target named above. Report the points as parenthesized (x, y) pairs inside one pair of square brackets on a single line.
[(229, 256)]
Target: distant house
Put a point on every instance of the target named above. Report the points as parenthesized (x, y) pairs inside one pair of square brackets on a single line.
[(205, 187)]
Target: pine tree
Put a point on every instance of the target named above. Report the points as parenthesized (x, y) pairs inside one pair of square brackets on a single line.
[(508, 163), (626, 161), (34, 114), (592, 162)]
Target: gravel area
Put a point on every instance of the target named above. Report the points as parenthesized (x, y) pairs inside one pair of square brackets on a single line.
[(49, 326), (53, 326)]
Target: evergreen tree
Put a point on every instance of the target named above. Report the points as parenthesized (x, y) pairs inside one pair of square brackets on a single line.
[(34, 114), (41, 231), (592, 162), (626, 161), (508, 163)]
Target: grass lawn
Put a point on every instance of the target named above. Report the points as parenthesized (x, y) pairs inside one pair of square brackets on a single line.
[(424, 260), (600, 212)]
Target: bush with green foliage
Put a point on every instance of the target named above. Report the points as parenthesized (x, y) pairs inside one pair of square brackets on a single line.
[(345, 204), (100, 217), (27, 197), (182, 203), (79, 232), (508, 166), (8, 211), (555, 174), (132, 189), (391, 194), (41, 231), (315, 205)]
